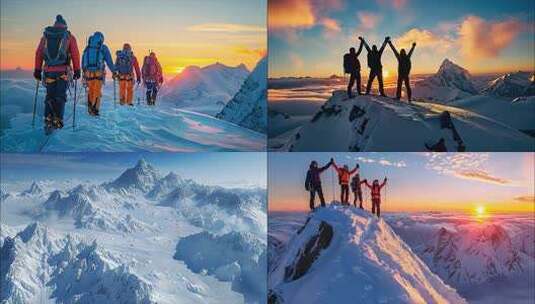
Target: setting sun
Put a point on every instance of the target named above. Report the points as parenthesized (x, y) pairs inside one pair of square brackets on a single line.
[(386, 73), (480, 210)]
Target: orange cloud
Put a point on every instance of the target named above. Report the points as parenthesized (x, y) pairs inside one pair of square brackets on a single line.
[(368, 20), (331, 24), (290, 14), (482, 39), (424, 38), (397, 4), (525, 199), (482, 176), (297, 62), (260, 52), (226, 27)]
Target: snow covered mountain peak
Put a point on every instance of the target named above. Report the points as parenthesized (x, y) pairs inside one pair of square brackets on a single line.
[(473, 254), (35, 189), (451, 82), (248, 107), (142, 176), (512, 85), (339, 246)]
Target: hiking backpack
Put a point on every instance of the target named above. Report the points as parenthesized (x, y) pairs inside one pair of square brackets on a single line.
[(93, 55), (56, 46), (150, 70), (124, 61), (347, 64)]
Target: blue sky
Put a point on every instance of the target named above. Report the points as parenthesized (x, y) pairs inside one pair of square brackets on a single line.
[(418, 181), (483, 36), (230, 169)]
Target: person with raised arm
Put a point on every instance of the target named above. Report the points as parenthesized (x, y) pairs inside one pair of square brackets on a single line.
[(313, 182), (375, 65), (376, 195), (404, 69), (352, 67)]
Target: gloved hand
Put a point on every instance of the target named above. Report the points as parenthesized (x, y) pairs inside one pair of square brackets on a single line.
[(358, 166), (115, 75), (414, 44), (37, 74), (138, 81), (76, 75)]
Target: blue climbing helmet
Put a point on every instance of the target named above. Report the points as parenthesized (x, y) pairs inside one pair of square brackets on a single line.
[(93, 59)]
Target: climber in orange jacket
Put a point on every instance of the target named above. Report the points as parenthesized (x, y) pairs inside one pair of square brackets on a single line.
[(376, 195), (344, 175)]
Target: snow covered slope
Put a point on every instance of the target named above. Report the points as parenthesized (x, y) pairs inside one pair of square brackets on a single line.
[(128, 241), (451, 82), (374, 123), (248, 108), (118, 128), (512, 85), (346, 255), (519, 114), (204, 90)]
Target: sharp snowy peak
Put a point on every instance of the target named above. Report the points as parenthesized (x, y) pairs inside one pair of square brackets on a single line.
[(38, 264), (248, 107), (166, 185), (374, 123), (205, 90), (141, 177), (346, 255), (476, 254), (512, 85), (35, 189), (450, 83)]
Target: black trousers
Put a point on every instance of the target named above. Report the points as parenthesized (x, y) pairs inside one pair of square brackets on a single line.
[(376, 207), (56, 96), (152, 92), (344, 194), (353, 77), (358, 196), (313, 192), (404, 79), (379, 74)]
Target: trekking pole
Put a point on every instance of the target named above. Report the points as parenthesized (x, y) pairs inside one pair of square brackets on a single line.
[(114, 94), (74, 104), (35, 103), (332, 180)]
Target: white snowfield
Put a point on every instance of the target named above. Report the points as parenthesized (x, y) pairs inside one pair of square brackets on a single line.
[(124, 242), (375, 123), (347, 255), (248, 108), (178, 123), (204, 90)]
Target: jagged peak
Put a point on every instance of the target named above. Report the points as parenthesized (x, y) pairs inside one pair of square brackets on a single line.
[(448, 65), (31, 230)]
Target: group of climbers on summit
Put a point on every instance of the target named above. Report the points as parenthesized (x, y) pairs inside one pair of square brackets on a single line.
[(352, 67), (314, 187), (57, 64)]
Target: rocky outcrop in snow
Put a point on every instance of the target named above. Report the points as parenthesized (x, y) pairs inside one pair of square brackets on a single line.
[(346, 255), (35, 189), (248, 108), (204, 90), (450, 83)]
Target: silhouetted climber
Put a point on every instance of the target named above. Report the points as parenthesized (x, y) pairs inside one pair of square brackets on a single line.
[(313, 182), (357, 189), (343, 180), (376, 195), (352, 67), (404, 69), (440, 146), (374, 63)]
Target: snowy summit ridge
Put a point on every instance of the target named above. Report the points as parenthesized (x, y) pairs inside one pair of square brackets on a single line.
[(346, 255)]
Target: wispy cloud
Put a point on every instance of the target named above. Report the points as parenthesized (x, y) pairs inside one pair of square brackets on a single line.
[(470, 166), (397, 4), (227, 28), (380, 161), (425, 39), (368, 20), (525, 199)]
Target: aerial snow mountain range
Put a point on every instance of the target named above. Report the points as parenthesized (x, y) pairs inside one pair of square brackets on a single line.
[(451, 105), (444, 258), (141, 238), (183, 119)]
